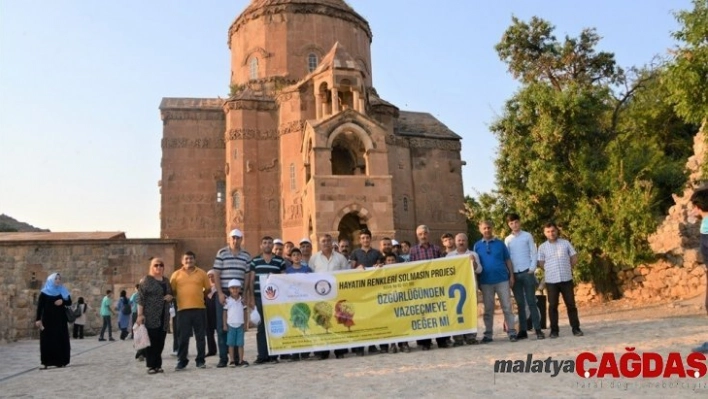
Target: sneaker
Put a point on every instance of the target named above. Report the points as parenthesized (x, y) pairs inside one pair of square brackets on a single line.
[(701, 349), (513, 338), (260, 361), (101, 339), (540, 334), (221, 364), (243, 363), (180, 366), (141, 358), (111, 339), (486, 340), (522, 335), (201, 365), (232, 364), (578, 332), (554, 335)]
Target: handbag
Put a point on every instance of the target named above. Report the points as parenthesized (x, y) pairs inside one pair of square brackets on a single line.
[(70, 317), (141, 339)]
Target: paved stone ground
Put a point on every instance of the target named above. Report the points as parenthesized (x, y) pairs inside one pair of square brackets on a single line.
[(108, 369)]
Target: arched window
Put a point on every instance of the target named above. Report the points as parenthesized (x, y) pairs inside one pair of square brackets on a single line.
[(405, 204), (312, 62), (220, 191), (253, 68), (292, 177)]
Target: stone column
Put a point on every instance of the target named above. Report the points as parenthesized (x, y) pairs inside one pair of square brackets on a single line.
[(357, 106), (318, 105), (335, 100)]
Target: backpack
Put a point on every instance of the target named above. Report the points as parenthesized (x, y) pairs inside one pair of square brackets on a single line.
[(77, 311), (126, 310)]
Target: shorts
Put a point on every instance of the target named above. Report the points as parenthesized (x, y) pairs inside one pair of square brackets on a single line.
[(235, 336)]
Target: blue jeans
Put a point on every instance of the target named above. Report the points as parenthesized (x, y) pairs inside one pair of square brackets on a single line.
[(106, 324), (502, 291), (220, 333), (525, 293)]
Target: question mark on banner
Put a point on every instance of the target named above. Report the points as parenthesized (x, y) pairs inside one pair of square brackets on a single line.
[(461, 303)]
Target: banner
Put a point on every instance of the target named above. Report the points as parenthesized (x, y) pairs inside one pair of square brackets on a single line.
[(395, 303)]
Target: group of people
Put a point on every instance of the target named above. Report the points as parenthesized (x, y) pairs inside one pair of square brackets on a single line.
[(221, 300)]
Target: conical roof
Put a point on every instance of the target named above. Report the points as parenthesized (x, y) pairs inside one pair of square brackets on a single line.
[(333, 8)]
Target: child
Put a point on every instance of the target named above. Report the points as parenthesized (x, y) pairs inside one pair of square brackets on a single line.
[(233, 323), (699, 200), (296, 267)]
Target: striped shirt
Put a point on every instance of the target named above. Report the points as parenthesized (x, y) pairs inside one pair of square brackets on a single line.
[(556, 257), (429, 251), (231, 266), (259, 266)]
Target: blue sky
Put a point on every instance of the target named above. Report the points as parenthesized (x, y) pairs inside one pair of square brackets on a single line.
[(80, 83)]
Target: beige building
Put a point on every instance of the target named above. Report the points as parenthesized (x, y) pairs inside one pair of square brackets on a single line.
[(304, 145)]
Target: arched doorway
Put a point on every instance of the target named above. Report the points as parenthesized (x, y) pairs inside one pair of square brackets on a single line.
[(349, 227)]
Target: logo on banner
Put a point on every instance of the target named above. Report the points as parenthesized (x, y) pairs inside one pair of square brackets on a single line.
[(271, 291), (323, 287)]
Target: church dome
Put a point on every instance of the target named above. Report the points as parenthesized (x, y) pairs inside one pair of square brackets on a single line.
[(334, 8)]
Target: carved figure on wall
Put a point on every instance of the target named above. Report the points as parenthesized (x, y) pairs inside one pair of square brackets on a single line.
[(248, 166), (237, 220), (270, 167)]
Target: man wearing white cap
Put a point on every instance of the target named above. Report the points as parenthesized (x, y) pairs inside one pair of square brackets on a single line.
[(278, 247), (231, 262)]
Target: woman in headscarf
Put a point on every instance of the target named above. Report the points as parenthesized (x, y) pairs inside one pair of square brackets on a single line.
[(124, 312), (154, 298), (54, 346)]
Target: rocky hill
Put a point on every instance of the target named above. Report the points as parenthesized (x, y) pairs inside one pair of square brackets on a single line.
[(9, 224)]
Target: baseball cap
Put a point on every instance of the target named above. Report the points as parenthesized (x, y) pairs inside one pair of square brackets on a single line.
[(236, 233), (395, 243), (277, 241), (307, 240), (234, 283)]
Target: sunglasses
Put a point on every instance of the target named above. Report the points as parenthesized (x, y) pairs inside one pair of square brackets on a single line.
[(158, 265)]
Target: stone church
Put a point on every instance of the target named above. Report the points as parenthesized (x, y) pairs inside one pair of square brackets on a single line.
[(304, 145)]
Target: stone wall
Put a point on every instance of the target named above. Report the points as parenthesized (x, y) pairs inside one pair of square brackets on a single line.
[(88, 269)]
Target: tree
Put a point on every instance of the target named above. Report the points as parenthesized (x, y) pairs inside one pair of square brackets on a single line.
[(587, 145), (687, 76)]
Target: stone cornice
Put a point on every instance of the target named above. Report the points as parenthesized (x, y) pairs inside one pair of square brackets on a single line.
[(250, 105), (298, 8), (417, 142)]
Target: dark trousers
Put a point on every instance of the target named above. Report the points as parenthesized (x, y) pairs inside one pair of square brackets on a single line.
[(442, 342), (261, 340), (78, 331), (153, 353), (190, 320), (106, 325), (211, 341), (564, 288), (133, 318), (175, 333)]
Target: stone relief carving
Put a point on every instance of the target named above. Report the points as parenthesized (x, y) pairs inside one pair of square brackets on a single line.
[(252, 134), (292, 127), (184, 142), (295, 210), (238, 218), (194, 174), (248, 166), (270, 167), (252, 105)]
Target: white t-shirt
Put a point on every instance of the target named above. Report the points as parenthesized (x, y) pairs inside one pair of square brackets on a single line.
[(234, 312), (477, 267)]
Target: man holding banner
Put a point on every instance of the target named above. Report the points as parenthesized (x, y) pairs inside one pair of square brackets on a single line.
[(326, 260), (424, 251), (264, 264)]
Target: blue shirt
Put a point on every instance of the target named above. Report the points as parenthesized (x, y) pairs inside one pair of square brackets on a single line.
[(303, 269), (704, 225), (493, 255)]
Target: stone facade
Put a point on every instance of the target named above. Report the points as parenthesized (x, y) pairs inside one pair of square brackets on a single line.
[(305, 145), (88, 267)]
